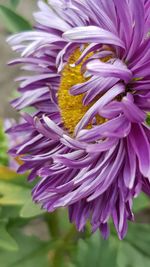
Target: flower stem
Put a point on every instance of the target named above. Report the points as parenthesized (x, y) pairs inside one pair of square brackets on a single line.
[(63, 249), (52, 221)]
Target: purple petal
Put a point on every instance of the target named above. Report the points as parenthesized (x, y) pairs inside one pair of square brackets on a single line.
[(92, 34), (117, 70)]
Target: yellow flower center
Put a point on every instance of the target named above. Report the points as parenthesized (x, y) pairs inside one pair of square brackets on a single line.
[(71, 107)]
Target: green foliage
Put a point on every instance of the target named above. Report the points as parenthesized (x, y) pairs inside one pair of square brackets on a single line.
[(13, 21), (94, 252), (11, 194), (30, 209), (32, 252), (133, 251), (139, 237), (141, 202), (6, 240), (9, 212)]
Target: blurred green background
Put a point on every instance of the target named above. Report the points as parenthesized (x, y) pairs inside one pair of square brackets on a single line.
[(24, 8), (30, 237)]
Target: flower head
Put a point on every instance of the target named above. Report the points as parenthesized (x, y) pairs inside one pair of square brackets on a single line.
[(88, 138)]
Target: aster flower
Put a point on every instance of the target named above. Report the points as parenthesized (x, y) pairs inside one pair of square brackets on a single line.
[(88, 138)]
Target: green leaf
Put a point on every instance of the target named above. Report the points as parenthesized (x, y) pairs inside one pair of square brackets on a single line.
[(95, 252), (13, 21), (11, 194), (6, 241), (32, 252), (139, 237), (141, 202), (14, 3), (30, 210), (128, 256), (10, 212), (133, 251)]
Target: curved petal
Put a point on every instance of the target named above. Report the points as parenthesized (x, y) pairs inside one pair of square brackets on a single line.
[(105, 99), (131, 111), (117, 70), (141, 145), (92, 34)]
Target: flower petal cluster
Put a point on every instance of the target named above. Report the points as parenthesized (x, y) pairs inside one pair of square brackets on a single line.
[(95, 166)]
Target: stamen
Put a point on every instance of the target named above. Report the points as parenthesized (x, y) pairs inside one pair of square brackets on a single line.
[(71, 107)]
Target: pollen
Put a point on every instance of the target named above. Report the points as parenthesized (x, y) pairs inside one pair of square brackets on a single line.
[(71, 107)]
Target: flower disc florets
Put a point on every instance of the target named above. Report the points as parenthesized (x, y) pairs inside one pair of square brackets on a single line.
[(88, 138)]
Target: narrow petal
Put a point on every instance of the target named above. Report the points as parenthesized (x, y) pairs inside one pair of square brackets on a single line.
[(140, 143), (92, 34), (105, 99), (117, 70)]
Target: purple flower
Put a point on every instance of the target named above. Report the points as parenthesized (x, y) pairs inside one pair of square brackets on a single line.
[(88, 137)]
